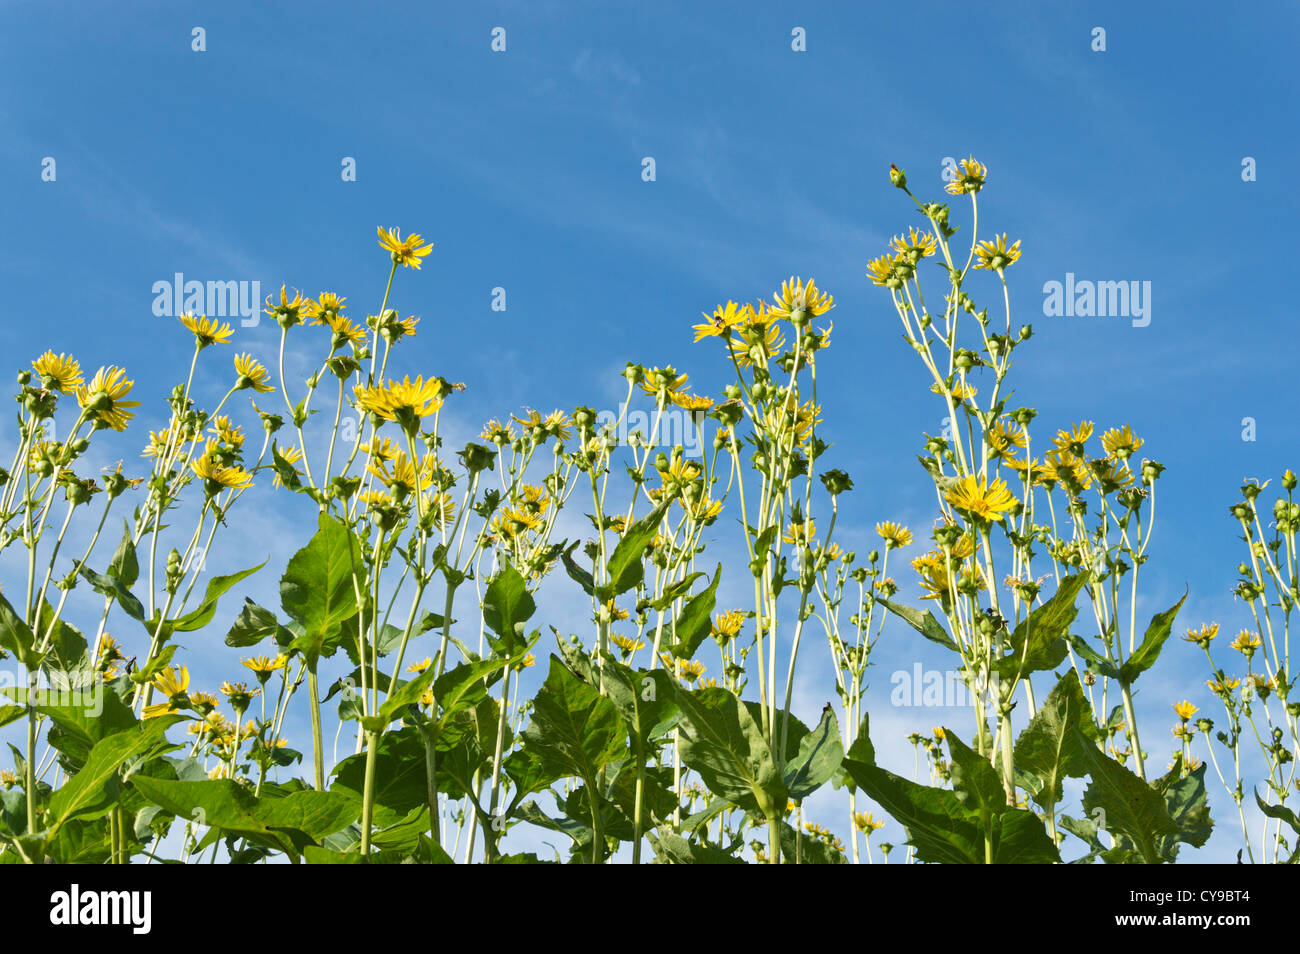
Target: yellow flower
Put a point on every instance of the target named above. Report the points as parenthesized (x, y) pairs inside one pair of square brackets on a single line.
[(406, 251), (959, 392), (402, 402), (995, 255), (724, 318), (494, 432), (510, 522), (289, 311), (417, 668), (345, 332), (1185, 710), (1064, 467), (228, 432), (803, 301), (626, 644), (867, 823), (1074, 440), (250, 374), (916, 246), (58, 372), (894, 534), (727, 625), (103, 399), (1203, 636), (207, 331), (320, 310), (1004, 438), (219, 475), (441, 509), (171, 682), (969, 179), (1246, 643), (556, 424), (661, 381), (1223, 686), (800, 534), (399, 474), (984, 501), (692, 402), (1119, 442), (883, 271), (753, 343)]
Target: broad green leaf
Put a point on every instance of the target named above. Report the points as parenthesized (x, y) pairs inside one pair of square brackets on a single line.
[(1096, 662), (646, 699), (1048, 747), (1285, 814), (974, 781), (695, 622), (923, 623), (625, 567), (108, 584), (806, 849), (218, 586), (317, 589), (1128, 805), (723, 743), (1153, 641), (124, 565), (671, 849), (253, 625), (575, 731), (16, 636), (401, 783), (819, 757), (93, 788), (577, 573), (1189, 807), (507, 606), (1039, 642)]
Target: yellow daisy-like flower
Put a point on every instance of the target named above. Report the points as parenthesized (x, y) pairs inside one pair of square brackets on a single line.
[(959, 392), (402, 402), (982, 500), (882, 271), (894, 534), (556, 424), (405, 251), (724, 318), (345, 332), (1004, 439), (320, 309), (1223, 686), (692, 402), (494, 432), (103, 399), (399, 476), (916, 246), (511, 522), (996, 255), (752, 344), (207, 331), (1061, 466), (263, 666), (1120, 442), (1204, 635), (227, 431), (250, 374), (796, 298), (727, 625), (441, 509), (171, 682), (289, 311), (1246, 643), (970, 178), (58, 372), (1185, 710), (219, 475), (867, 823), (662, 381), (939, 734), (800, 534), (626, 644), (416, 668)]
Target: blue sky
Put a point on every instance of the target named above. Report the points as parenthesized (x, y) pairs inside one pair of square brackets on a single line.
[(524, 169)]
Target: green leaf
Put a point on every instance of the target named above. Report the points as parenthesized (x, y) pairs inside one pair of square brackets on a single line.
[(401, 783), (317, 591), (807, 849), (923, 623), (1283, 813), (645, 718), (672, 849), (231, 807), (1153, 641), (507, 606), (1096, 662), (253, 625), (695, 622), (723, 742), (95, 787), (1189, 806), (217, 587), (124, 565), (575, 731), (1048, 747), (577, 573), (406, 694), (820, 756), (1128, 805), (1039, 642), (154, 666), (625, 567), (17, 637), (465, 685), (112, 585), (974, 781)]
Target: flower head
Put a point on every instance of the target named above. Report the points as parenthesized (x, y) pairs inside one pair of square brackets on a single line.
[(996, 255), (58, 372), (206, 330), (103, 399), (251, 374), (405, 251), (982, 500), (969, 178)]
